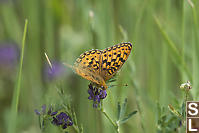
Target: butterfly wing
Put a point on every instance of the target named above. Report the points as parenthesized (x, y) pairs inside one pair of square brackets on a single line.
[(88, 66), (113, 58)]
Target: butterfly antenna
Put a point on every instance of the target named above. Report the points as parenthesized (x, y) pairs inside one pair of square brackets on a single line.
[(68, 65), (117, 85), (125, 84), (48, 60)]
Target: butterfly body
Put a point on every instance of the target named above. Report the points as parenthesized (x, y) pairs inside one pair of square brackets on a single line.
[(99, 66)]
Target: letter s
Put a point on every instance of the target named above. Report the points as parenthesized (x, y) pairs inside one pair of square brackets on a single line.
[(193, 108)]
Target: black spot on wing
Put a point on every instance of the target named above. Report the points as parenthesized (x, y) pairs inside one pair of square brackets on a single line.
[(118, 55), (91, 62), (122, 60), (104, 61), (108, 63), (113, 60)]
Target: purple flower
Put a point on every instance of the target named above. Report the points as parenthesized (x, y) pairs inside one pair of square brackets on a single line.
[(53, 113), (50, 111), (37, 112), (58, 118), (9, 55), (63, 120), (43, 111), (96, 94), (55, 72)]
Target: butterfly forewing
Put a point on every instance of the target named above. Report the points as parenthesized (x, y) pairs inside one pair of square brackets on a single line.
[(88, 66), (113, 58)]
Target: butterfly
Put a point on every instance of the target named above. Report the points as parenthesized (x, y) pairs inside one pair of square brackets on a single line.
[(98, 66)]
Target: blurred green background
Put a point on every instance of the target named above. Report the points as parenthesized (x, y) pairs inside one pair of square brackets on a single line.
[(165, 43)]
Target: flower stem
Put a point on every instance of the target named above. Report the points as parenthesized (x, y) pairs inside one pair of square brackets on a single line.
[(186, 95), (76, 128), (115, 124)]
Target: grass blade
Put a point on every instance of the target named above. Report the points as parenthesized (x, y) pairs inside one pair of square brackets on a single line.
[(16, 94), (128, 116), (176, 55)]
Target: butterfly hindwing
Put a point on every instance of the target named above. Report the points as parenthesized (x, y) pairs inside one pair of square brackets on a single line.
[(88, 66)]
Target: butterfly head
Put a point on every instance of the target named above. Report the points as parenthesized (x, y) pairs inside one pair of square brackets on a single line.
[(102, 84), (104, 87)]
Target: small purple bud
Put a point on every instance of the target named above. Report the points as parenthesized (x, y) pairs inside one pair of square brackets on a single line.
[(90, 98), (55, 72), (37, 112), (95, 105), (44, 109), (53, 113), (64, 126)]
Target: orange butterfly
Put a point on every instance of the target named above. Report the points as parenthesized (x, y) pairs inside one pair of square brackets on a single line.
[(99, 66)]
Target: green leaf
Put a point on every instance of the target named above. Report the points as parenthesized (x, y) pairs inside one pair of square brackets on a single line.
[(183, 109), (81, 128), (128, 116), (118, 110), (40, 123), (159, 111), (174, 111), (123, 109), (74, 117)]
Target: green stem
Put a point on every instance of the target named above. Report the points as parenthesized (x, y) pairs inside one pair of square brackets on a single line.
[(183, 38), (186, 95), (20, 67), (16, 94), (173, 48), (75, 126), (194, 92), (124, 33), (115, 124)]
